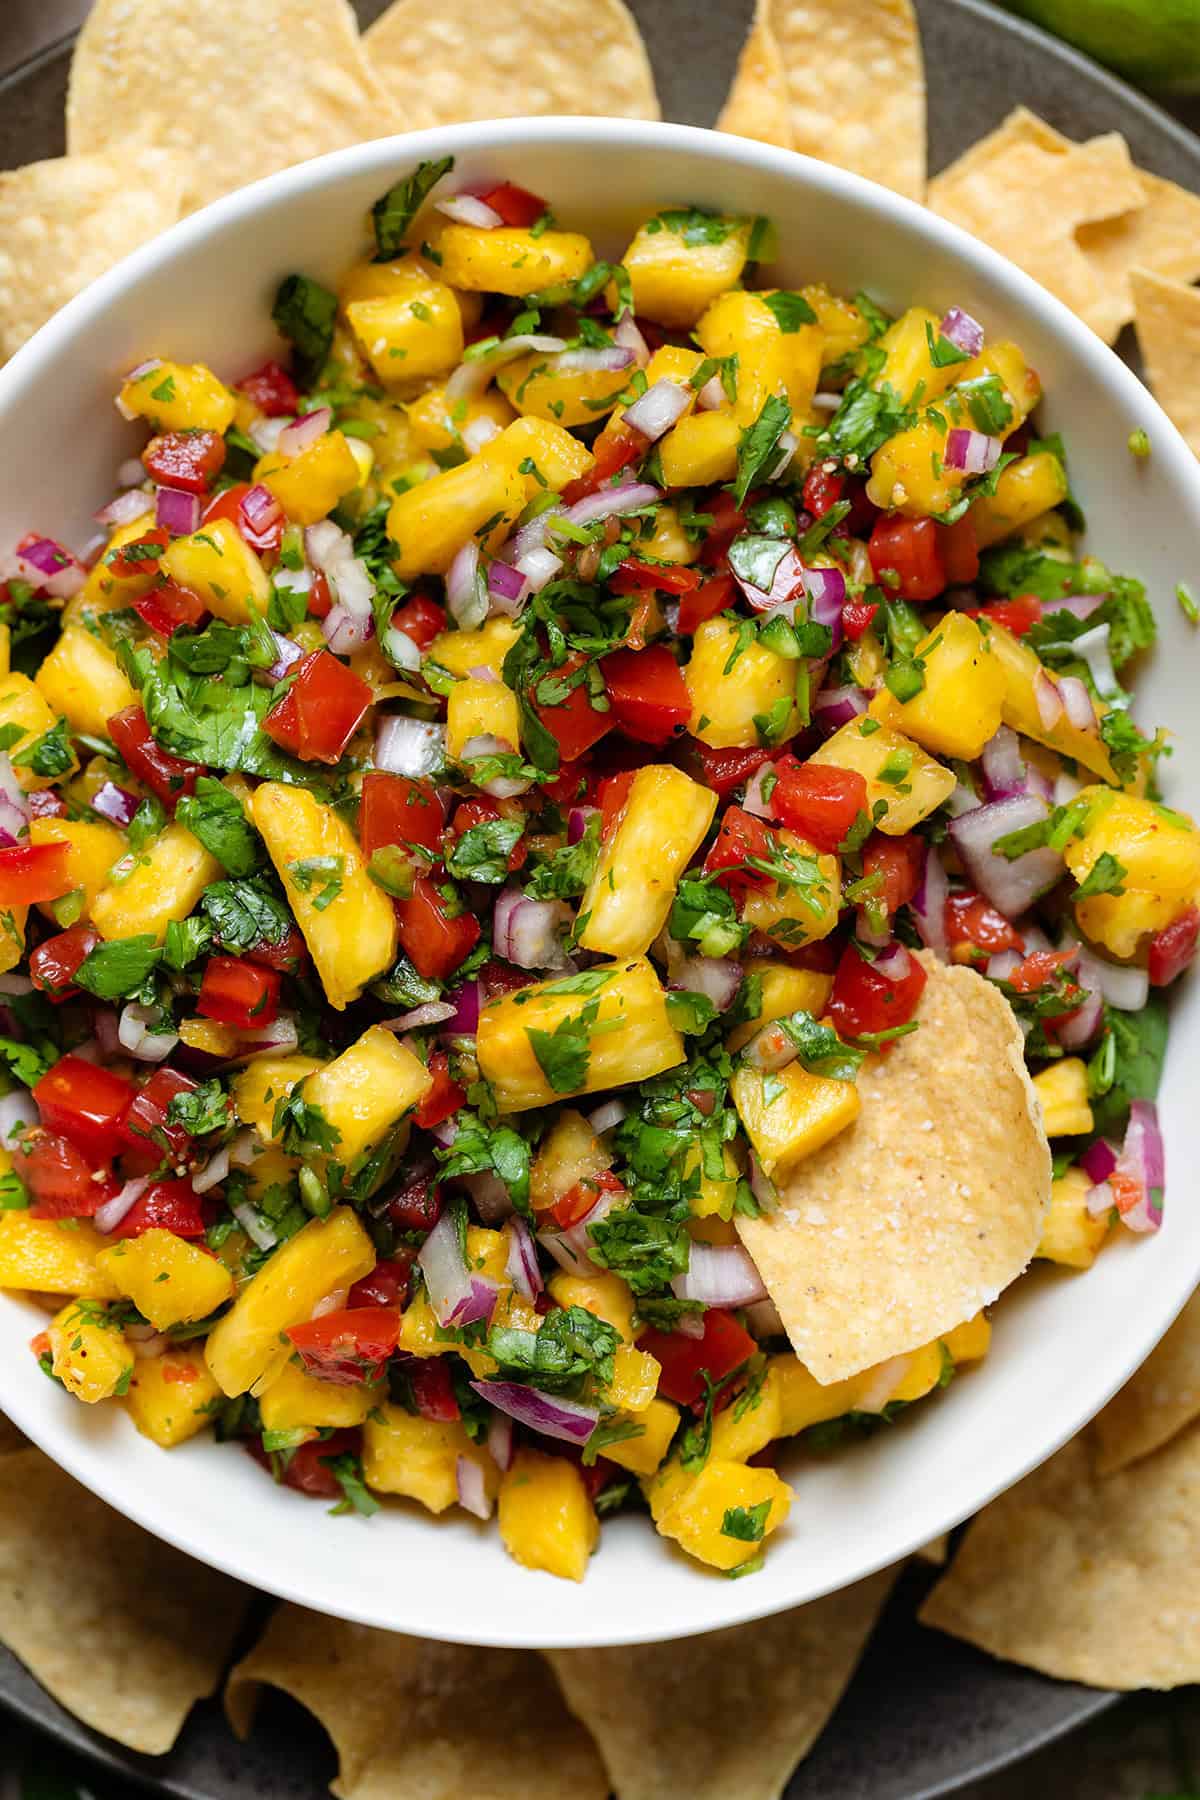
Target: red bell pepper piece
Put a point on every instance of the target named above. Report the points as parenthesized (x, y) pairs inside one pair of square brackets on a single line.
[(444, 1097), (145, 1129), (516, 205), (398, 810), (53, 964), (1018, 615), (289, 955), (307, 1469), (614, 450), (742, 835), (272, 390), (704, 602), (857, 616), (634, 576), (1172, 948), (165, 1206), (975, 930), (864, 1001), (434, 940), (818, 802), (432, 1388), (479, 811), (185, 459), (959, 551), (1039, 968), (321, 710), (612, 794), (62, 1182), (238, 993), (726, 770), (900, 862), (573, 722), (168, 777), (85, 1103), (647, 694), (686, 1361), (728, 522), (350, 1346), (421, 619), (388, 1282), (228, 505), (417, 1206), (909, 550), (575, 1205), (140, 556), (30, 873), (44, 803), (167, 607)]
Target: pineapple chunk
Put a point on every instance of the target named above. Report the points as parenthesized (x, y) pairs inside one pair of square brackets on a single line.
[(260, 1086), (510, 261), (960, 705), (923, 1372), (165, 882), (726, 701), (801, 913), (842, 325), (88, 1352), (207, 1035), (642, 1453), (219, 567), (669, 542), (478, 708), (700, 450), (908, 369), (1031, 485), (1022, 385), (363, 1092), (674, 280), (1062, 1088), (92, 849), (898, 773), (716, 1517), (432, 521), (308, 486), (406, 322), (605, 1028), (12, 936), (770, 361), (171, 1396), (1070, 1233), (783, 990), (462, 651), (803, 1400), (23, 705), (82, 681), (48, 1256), (539, 390), (568, 1154), (629, 897), (102, 591), (789, 1114), (546, 1518), (557, 457), (1021, 670), (354, 937), (404, 1454), (244, 1349), (298, 1401), (1159, 852), (438, 424), (716, 1196), (605, 1295), (908, 473), (178, 397), (169, 1280), (635, 1380), (741, 1431), (970, 1341)]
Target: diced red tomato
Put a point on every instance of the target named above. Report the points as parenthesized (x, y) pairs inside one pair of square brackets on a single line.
[(498, 978), (432, 1388), (272, 390), (349, 1346), (144, 1128), (185, 459), (421, 619), (857, 616), (573, 1206), (705, 602), (397, 810), (44, 803), (62, 1183), (1039, 968), (417, 1206), (864, 1001), (168, 777), (307, 1468), (612, 794), (647, 694), (388, 1282), (481, 811), (165, 1206), (516, 205), (726, 770), (321, 710), (289, 955), (228, 505), (166, 607), (634, 576), (959, 551), (444, 1097), (686, 1361), (574, 723), (973, 924), (900, 861), (728, 522), (742, 835), (434, 940), (238, 993), (1018, 615), (140, 556), (53, 964), (818, 802), (1172, 948), (822, 489), (33, 872), (614, 450), (908, 549), (85, 1103)]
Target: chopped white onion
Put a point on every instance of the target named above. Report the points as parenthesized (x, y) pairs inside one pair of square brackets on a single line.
[(213, 1173), (719, 1275), (412, 747), (138, 1035), (110, 1215)]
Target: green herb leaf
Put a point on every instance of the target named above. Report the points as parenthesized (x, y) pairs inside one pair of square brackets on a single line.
[(215, 816), (304, 313), (394, 212), (757, 448)]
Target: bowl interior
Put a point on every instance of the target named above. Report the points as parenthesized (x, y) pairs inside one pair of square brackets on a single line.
[(1063, 1342)]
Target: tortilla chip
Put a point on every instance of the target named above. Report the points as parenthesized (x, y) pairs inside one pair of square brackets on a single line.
[(243, 87), (1167, 315), (1158, 1401), (125, 1632), (856, 86), (62, 223), (936, 1552), (757, 103), (1086, 1577), (727, 1714), (422, 1720), (1027, 191), (1163, 235), (447, 62), (926, 1208)]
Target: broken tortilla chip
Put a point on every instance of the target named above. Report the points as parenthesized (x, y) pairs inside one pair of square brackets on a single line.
[(728, 1713), (1027, 191), (124, 1631), (441, 65), (1162, 235), (855, 86), (924, 1209), (757, 103), (1158, 1401), (936, 1552), (1086, 1577), (409, 1717), (64, 222), (1167, 315), (242, 89)]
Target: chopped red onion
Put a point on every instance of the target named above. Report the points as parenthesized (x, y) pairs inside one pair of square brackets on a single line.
[(1096, 652), (718, 978), (1003, 770), (606, 1116), (1001, 965), (466, 594), (761, 1186), (826, 589), (629, 337), (260, 511), (244, 1149), (894, 964), (107, 1217), (468, 209), (690, 1325), (475, 372), (929, 904), (610, 503), (1142, 1161), (104, 1024), (544, 1413), (754, 801), (286, 654), (1012, 887), (14, 802), (961, 330), (134, 503), (469, 1483), (444, 1132), (1076, 1029), (412, 747), (772, 1048), (500, 1440), (570, 1248), (661, 406), (47, 566), (131, 473), (332, 551), (1098, 1160), (508, 588), (719, 1275), (1123, 986), (345, 631), (1099, 1199), (577, 821), (882, 1383), (836, 706), (176, 512), (477, 433), (500, 787), (465, 1001), (279, 1038), (1077, 703), (490, 1197), (17, 1110), (971, 452), (457, 1296), (434, 1012), (213, 1173), (1049, 700), (521, 1265), (539, 566), (266, 433), (136, 1033), (529, 932), (787, 446), (611, 359), (304, 431)]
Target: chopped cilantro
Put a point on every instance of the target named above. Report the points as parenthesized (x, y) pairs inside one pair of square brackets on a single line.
[(394, 212)]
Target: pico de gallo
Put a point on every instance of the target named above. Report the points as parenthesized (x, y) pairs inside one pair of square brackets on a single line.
[(504, 764)]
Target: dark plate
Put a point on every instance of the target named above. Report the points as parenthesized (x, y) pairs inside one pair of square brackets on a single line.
[(924, 1714)]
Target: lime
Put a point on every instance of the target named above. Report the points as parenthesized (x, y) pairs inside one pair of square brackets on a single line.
[(1155, 43)]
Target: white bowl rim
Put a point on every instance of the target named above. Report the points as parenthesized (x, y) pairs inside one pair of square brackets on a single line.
[(740, 1602)]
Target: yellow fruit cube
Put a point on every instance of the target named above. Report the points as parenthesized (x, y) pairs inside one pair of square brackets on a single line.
[(171, 1397), (1159, 853), (700, 450), (1021, 672), (308, 486), (970, 1341), (726, 1512), (753, 1421), (102, 591), (461, 651), (898, 773), (12, 936), (539, 389), (169, 1280), (1022, 385), (635, 1380), (669, 542), (476, 708), (782, 990), (660, 828), (88, 1352), (556, 457), (352, 938), (800, 911), (729, 691), (923, 1372), (715, 1196), (842, 325), (178, 397), (262, 1084), (569, 1153), (405, 1454), (1031, 485), (770, 361), (439, 424), (908, 473), (510, 261), (678, 268), (244, 1349), (643, 1451), (959, 707), (1071, 1235), (298, 1401), (408, 325), (432, 521), (908, 368), (364, 1092), (789, 1114), (1062, 1088), (618, 1011), (605, 1295), (46, 1256), (82, 681), (219, 567), (92, 849), (24, 706), (803, 1400), (163, 882), (546, 1519), (207, 1035)]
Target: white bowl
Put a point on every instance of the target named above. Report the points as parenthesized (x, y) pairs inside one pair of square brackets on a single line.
[(1063, 1342)]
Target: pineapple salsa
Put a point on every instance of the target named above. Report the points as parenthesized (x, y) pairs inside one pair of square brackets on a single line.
[(497, 783)]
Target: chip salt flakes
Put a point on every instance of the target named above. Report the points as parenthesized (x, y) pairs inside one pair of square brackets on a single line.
[(1027, 191), (413, 1718), (929, 1205), (62, 223), (1087, 1577), (244, 87), (1157, 1402), (1167, 315), (125, 1632), (445, 62), (757, 103), (727, 1714), (856, 86)]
